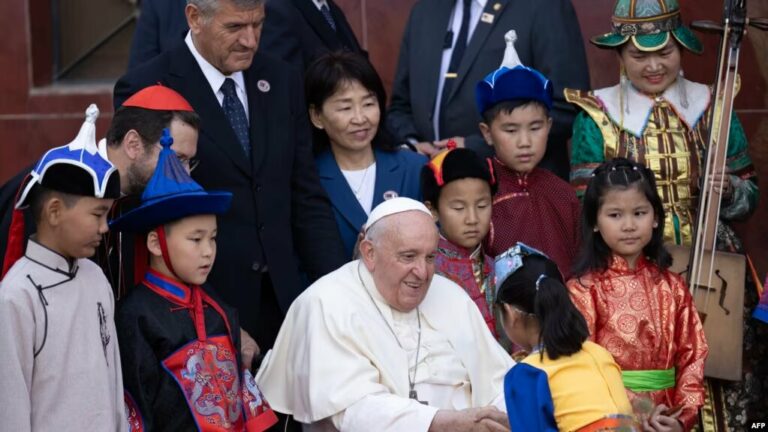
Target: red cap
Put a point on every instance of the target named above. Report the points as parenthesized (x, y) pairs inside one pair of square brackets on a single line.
[(158, 97)]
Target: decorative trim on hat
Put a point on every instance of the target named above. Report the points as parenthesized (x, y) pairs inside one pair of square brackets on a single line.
[(513, 81), (647, 25), (82, 153), (641, 21), (511, 260)]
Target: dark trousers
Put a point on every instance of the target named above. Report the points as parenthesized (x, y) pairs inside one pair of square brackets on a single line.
[(269, 317)]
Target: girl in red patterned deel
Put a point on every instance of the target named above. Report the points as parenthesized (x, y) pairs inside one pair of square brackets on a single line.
[(635, 307)]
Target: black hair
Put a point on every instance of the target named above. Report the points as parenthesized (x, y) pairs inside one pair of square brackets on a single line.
[(458, 164), (40, 195), (537, 289), (618, 174), (507, 106), (149, 124), (327, 75)]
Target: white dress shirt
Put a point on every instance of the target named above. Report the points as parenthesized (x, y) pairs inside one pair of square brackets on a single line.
[(476, 9), (363, 184), (320, 3), (216, 78)]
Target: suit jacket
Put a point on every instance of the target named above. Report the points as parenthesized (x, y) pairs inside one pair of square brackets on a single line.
[(398, 171), (297, 32), (548, 39), (279, 210)]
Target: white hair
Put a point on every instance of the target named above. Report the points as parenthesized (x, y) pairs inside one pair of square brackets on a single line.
[(209, 7)]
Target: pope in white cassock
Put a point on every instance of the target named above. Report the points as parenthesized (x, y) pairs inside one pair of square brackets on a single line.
[(383, 343)]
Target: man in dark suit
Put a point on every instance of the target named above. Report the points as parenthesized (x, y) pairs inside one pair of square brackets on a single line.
[(433, 96), (254, 142), (299, 31)]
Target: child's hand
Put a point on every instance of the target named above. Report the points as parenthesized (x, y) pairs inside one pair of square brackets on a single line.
[(658, 422)]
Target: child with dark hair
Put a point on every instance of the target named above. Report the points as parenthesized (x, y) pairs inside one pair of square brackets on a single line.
[(532, 205), (458, 187), (181, 364), (566, 383), (58, 345), (638, 309)]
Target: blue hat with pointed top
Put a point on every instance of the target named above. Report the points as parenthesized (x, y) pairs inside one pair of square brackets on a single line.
[(170, 195), (513, 81)]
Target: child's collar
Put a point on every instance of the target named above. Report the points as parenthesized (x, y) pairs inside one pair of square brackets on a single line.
[(620, 264), (459, 250), (172, 289), (49, 258)]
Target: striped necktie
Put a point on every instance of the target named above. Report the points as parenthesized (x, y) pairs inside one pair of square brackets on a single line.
[(328, 17)]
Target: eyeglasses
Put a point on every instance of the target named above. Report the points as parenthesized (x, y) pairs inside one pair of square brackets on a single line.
[(189, 164)]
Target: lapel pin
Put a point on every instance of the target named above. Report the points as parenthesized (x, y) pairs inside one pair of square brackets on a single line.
[(388, 195), (496, 6), (263, 86), (487, 18)]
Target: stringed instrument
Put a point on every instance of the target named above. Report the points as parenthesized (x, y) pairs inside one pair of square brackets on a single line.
[(716, 278)]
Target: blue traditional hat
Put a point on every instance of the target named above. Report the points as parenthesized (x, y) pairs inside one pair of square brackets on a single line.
[(170, 195), (78, 168), (513, 81), (511, 260)]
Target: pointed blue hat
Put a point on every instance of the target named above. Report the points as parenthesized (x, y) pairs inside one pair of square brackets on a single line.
[(170, 195), (513, 81)]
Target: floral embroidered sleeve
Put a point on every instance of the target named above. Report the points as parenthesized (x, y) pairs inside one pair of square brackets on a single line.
[(743, 175)]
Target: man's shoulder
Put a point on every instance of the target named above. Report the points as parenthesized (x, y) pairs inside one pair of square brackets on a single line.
[(151, 72), (268, 65), (337, 284), (157, 64)]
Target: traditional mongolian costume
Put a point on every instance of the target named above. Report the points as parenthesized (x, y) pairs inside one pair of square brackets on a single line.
[(668, 133), (58, 345), (470, 269), (536, 208), (579, 392), (181, 362), (646, 319)]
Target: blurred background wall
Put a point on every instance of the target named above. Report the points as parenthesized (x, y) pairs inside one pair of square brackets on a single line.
[(57, 56)]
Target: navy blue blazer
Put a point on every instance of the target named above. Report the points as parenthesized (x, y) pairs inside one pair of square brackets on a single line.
[(397, 171)]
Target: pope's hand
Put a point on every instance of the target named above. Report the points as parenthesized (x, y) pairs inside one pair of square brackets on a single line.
[(486, 419)]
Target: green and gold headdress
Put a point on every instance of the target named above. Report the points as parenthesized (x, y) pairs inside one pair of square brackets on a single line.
[(649, 24)]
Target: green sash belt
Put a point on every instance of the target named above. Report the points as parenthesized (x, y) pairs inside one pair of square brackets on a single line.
[(648, 380)]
